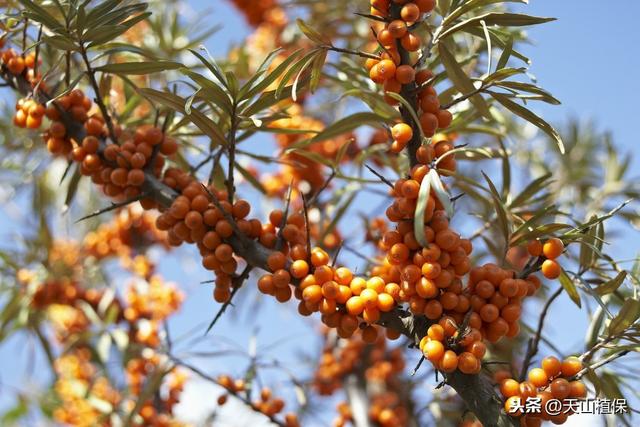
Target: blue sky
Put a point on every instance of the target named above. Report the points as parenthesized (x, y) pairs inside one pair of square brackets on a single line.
[(587, 59)]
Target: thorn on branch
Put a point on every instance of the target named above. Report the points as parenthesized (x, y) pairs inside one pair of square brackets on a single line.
[(382, 178), (314, 198), (237, 284), (114, 206), (415, 370), (532, 346)]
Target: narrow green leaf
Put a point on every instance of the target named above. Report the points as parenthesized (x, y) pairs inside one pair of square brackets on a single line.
[(39, 14), (441, 193), (211, 65), (530, 117), (506, 54), (531, 88), (421, 206), (210, 90), (570, 287), (293, 70), (461, 81), (587, 254), (628, 314), (503, 19), (470, 6), (530, 190), (60, 42), (612, 285), (311, 34), (348, 124), (177, 103), (253, 87), (139, 68), (501, 212), (316, 70)]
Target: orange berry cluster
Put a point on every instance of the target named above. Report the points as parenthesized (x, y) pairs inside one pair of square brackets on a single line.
[(267, 404), (29, 114), (118, 168), (131, 232), (154, 300), (74, 106), (298, 168), (255, 11), (382, 366), (123, 173), (550, 250), (553, 380), (21, 65), (194, 218), (158, 410), (393, 74), (77, 383)]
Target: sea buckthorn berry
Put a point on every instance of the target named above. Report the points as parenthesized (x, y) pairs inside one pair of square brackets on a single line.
[(410, 42), (355, 305), (538, 377), (386, 39), (313, 294), (430, 104), (405, 74), (571, 366), (553, 248), (449, 362), (402, 133), (534, 248), (436, 332), (386, 69), (425, 6), (433, 351), (410, 12), (277, 261), (577, 390), (468, 363), (551, 366), (319, 257), (369, 334), (397, 28), (509, 387), (299, 269), (385, 302), (429, 124), (423, 76), (560, 388), (551, 269), (398, 253), (370, 63), (444, 120)]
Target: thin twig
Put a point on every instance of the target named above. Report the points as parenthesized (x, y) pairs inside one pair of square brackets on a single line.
[(382, 178), (209, 378), (351, 52), (532, 346), (601, 363), (314, 198), (237, 284), (114, 206), (415, 370), (98, 98)]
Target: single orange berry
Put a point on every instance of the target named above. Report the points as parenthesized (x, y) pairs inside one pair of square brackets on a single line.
[(551, 269), (553, 248)]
